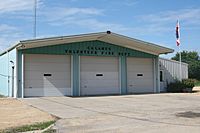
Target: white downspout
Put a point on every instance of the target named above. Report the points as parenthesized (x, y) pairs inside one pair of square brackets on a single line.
[(8, 75), (158, 75), (17, 79), (154, 75), (22, 82)]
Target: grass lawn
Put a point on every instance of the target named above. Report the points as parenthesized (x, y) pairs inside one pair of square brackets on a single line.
[(197, 83), (50, 131), (37, 126)]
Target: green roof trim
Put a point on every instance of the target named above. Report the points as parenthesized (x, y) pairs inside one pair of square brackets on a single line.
[(88, 48)]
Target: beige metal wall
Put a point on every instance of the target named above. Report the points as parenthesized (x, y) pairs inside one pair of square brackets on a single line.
[(171, 71)]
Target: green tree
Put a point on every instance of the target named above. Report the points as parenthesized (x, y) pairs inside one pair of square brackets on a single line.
[(192, 59)]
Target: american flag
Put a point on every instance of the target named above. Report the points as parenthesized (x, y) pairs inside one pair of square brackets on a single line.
[(178, 33)]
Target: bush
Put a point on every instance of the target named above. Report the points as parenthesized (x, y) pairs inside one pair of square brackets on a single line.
[(189, 83), (197, 83), (185, 86), (175, 87)]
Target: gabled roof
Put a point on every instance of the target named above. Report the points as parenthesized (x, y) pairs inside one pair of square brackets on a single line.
[(108, 37)]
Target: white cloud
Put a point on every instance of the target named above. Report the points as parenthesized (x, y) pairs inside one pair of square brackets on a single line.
[(12, 9), (129, 2), (8, 36), (163, 22), (62, 13), (8, 6), (100, 26), (6, 28), (91, 23), (88, 11), (186, 15), (81, 17), (5, 43)]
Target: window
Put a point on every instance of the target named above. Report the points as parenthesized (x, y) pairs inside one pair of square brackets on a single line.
[(161, 76), (47, 75), (139, 74), (99, 74)]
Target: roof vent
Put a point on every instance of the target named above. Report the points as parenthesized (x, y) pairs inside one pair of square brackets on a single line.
[(108, 32)]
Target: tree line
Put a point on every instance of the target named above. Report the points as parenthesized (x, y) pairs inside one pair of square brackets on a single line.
[(192, 58)]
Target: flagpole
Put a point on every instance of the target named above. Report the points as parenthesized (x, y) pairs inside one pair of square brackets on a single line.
[(180, 53), (178, 44), (180, 67)]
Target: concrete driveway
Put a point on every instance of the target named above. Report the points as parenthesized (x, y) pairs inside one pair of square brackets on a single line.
[(153, 113)]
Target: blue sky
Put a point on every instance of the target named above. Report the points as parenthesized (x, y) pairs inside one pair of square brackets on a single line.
[(149, 20)]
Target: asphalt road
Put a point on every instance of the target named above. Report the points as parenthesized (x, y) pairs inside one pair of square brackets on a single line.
[(153, 113)]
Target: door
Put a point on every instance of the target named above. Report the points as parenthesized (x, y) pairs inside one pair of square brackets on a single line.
[(47, 75), (140, 75), (99, 75), (162, 82)]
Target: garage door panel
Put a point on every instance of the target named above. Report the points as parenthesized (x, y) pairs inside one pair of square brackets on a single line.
[(140, 90), (105, 83), (140, 60), (47, 84), (99, 75), (137, 82), (141, 67), (38, 83), (101, 60), (140, 75), (41, 82), (57, 80), (43, 67), (140, 70), (138, 66), (144, 77), (95, 67), (36, 58), (107, 75), (34, 75), (56, 83), (99, 91), (44, 92)]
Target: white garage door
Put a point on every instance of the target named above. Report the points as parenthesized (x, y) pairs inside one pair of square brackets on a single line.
[(140, 75), (99, 75), (47, 75)]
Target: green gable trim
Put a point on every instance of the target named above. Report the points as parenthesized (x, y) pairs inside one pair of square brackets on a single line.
[(88, 48)]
